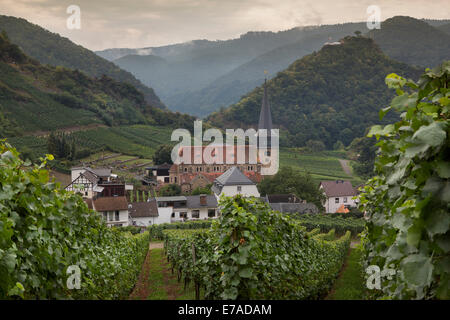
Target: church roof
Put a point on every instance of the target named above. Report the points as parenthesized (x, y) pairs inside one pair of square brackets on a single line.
[(265, 117)]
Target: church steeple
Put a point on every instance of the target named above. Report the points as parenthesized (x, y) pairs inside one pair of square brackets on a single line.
[(265, 117)]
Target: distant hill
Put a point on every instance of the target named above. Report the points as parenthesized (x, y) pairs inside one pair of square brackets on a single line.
[(200, 76), (413, 41), (229, 88), (445, 28), (330, 95), (50, 48), (35, 97)]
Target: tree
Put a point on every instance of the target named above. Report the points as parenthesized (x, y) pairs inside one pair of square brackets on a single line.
[(288, 181), (315, 145), (170, 190), (364, 150), (61, 145), (202, 190), (407, 202), (163, 154), (338, 145)]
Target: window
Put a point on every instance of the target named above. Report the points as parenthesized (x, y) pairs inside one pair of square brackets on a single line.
[(195, 213), (183, 215), (110, 216), (336, 200), (117, 216), (185, 169), (211, 213), (105, 216), (173, 215), (239, 188), (345, 199), (166, 179)]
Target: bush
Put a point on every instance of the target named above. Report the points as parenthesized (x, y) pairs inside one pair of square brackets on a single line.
[(44, 230), (408, 201), (252, 252)]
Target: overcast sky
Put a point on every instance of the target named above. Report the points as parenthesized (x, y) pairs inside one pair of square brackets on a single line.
[(144, 23)]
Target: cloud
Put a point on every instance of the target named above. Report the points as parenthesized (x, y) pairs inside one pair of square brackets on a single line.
[(145, 23)]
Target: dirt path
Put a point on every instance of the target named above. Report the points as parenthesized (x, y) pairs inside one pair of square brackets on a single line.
[(345, 166), (44, 134), (141, 289), (156, 245)]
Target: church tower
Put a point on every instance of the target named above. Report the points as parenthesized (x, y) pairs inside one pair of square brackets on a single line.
[(265, 118)]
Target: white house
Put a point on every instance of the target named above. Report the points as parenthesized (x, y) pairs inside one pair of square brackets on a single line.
[(233, 182), (338, 193), (182, 208), (143, 214), (113, 209)]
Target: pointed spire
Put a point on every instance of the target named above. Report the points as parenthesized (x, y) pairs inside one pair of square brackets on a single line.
[(265, 117)]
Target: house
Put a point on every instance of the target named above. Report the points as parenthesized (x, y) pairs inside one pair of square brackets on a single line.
[(113, 209), (143, 214), (160, 173), (234, 182), (182, 208), (338, 193), (103, 192)]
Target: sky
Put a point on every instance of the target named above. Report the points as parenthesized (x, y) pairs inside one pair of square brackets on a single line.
[(147, 23)]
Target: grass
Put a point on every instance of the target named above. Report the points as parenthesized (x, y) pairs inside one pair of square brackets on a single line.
[(163, 285), (350, 284)]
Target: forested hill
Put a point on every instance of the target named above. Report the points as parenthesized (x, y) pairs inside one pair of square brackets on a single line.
[(330, 95), (34, 97), (413, 41), (50, 48)]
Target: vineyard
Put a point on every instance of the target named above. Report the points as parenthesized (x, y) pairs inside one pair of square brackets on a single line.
[(44, 231), (251, 252)]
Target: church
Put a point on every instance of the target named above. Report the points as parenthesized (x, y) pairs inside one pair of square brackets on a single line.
[(191, 176)]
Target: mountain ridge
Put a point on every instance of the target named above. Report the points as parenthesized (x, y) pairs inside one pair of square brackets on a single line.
[(51, 48), (328, 96)]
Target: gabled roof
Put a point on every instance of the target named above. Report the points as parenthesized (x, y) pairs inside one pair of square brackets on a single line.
[(233, 177), (144, 209), (338, 188), (100, 172), (110, 204), (90, 176)]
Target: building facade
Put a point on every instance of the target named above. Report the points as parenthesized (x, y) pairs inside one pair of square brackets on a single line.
[(338, 193)]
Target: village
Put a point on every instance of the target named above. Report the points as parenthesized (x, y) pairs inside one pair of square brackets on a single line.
[(121, 205)]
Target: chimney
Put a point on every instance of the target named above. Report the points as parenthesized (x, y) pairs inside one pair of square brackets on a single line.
[(203, 199)]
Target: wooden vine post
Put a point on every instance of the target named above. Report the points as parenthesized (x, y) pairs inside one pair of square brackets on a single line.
[(196, 284)]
